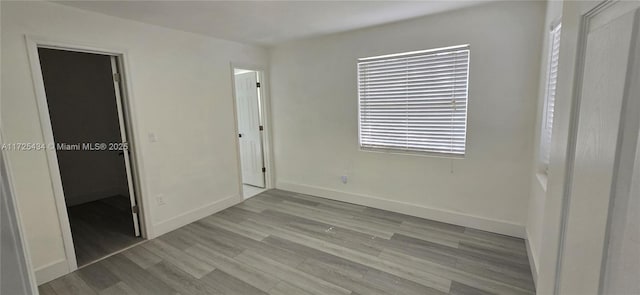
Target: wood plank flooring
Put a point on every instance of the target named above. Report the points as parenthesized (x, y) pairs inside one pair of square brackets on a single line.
[(101, 227), (286, 243)]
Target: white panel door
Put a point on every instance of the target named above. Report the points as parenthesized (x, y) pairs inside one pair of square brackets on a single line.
[(125, 147), (248, 109), (601, 141)]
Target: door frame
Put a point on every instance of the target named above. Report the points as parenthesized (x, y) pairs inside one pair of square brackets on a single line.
[(128, 107), (265, 113)]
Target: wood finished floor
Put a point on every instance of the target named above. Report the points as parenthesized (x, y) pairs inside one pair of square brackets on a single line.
[(101, 227), (285, 243)]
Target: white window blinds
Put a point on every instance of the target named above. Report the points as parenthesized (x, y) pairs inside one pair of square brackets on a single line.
[(415, 101), (550, 96)]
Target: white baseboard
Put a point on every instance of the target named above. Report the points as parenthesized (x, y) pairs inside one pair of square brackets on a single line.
[(531, 254), (442, 215), (51, 271), (193, 215)]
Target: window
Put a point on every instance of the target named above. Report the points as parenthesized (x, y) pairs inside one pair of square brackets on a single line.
[(550, 97), (415, 101)]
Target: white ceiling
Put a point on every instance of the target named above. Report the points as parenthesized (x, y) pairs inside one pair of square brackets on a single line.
[(268, 22)]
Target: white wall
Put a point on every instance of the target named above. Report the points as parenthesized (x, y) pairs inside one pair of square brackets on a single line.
[(314, 103), (16, 276), (535, 215), (14, 271), (181, 88)]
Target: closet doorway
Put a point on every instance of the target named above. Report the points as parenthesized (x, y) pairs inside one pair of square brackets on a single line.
[(250, 115), (83, 93)]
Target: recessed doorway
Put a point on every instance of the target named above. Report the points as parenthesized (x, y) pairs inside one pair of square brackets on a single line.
[(249, 104), (83, 97)]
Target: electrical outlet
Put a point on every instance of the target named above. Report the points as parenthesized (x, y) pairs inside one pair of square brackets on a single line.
[(344, 178), (160, 200)]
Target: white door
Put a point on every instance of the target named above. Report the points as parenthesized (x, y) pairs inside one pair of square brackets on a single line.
[(125, 145), (606, 126), (249, 125)]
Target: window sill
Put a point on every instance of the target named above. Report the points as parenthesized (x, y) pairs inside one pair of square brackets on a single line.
[(412, 153), (542, 179)]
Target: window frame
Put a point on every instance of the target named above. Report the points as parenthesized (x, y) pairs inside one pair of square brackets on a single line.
[(546, 133), (399, 151)]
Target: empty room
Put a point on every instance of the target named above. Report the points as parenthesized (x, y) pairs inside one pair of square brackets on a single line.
[(320, 147)]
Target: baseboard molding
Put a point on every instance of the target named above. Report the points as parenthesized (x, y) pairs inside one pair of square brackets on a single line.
[(457, 218), (531, 254), (194, 215), (51, 271)]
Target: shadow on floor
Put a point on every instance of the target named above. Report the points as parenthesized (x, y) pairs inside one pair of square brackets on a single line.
[(101, 227)]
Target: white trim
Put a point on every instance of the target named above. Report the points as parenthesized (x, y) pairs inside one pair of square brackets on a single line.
[(533, 258), (33, 43), (196, 214), (265, 105), (52, 158), (52, 271), (442, 215)]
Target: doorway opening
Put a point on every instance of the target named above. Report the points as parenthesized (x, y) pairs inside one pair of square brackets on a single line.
[(83, 93), (249, 104)]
